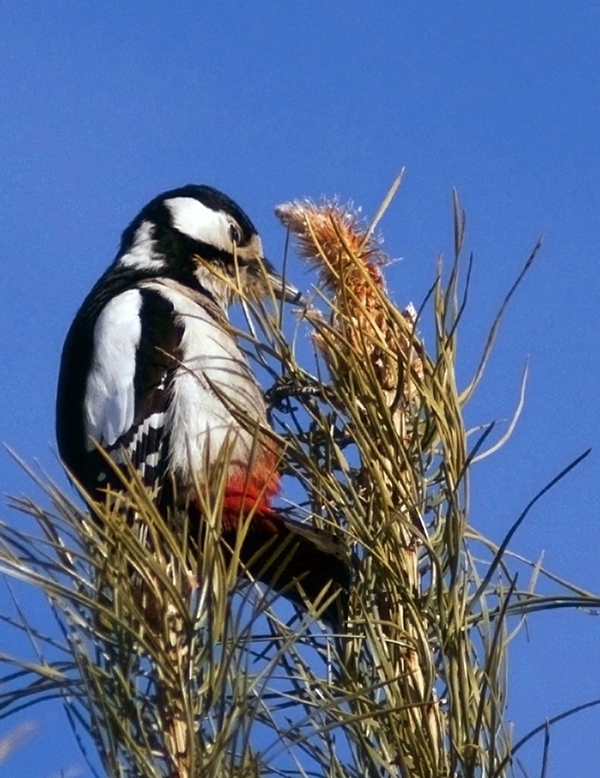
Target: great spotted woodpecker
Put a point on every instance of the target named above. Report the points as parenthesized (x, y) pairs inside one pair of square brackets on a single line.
[(152, 373)]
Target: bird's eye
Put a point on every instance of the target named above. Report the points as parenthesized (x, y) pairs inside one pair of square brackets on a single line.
[(235, 234)]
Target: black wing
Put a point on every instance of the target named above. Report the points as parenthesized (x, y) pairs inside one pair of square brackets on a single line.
[(114, 389)]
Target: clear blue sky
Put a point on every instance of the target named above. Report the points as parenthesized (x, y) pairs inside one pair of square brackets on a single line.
[(105, 105)]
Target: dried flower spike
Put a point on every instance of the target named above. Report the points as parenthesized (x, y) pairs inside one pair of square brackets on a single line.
[(350, 260), (332, 237)]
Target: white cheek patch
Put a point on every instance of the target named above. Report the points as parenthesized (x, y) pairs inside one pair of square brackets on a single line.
[(197, 221), (142, 254)]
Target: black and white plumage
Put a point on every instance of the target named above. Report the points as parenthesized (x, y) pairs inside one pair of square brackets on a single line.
[(149, 360), (152, 336)]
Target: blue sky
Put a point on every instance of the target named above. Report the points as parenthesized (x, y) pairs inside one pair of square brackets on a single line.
[(104, 107)]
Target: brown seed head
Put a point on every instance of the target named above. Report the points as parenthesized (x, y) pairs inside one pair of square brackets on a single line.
[(349, 259), (333, 237)]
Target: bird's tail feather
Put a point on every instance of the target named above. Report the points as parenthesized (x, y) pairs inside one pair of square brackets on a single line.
[(307, 566)]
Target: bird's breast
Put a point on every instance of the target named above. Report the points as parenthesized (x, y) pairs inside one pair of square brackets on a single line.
[(216, 406)]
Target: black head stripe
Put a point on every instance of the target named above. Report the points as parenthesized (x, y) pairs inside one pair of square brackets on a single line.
[(158, 214)]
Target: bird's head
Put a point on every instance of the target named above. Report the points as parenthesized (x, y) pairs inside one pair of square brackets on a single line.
[(200, 237)]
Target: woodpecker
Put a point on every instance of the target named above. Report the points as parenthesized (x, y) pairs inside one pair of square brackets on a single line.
[(152, 374)]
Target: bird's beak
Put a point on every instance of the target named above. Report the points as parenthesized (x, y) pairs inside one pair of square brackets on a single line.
[(280, 288)]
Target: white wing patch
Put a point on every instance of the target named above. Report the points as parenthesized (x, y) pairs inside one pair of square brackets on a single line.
[(110, 397), (192, 218)]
